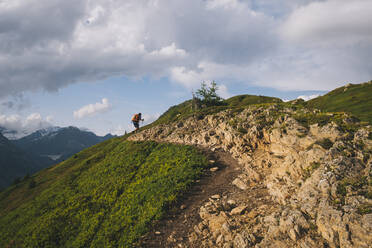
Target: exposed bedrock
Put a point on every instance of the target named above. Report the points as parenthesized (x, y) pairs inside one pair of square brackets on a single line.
[(300, 186)]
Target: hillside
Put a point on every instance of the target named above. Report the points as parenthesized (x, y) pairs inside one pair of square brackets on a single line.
[(104, 196), (304, 179), (290, 177), (15, 163), (185, 109), (352, 98), (58, 144)]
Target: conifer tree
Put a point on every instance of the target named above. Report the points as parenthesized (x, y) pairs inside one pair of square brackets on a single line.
[(208, 95)]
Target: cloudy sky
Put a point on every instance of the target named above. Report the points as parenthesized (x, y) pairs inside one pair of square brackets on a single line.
[(93, 63)]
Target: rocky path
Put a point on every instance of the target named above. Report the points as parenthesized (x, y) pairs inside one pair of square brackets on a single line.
[(173, 230), (213, 205)]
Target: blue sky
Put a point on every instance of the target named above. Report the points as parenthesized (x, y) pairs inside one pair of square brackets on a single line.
[(126, 97), (96, 62)]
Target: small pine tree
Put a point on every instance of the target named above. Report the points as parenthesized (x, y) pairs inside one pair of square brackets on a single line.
[(208, 95)]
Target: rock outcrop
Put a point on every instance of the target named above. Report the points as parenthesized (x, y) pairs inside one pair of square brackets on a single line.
[(303, 183)]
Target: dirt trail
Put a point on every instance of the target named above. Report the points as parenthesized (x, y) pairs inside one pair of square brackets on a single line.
[(181, 219), (179, 222)]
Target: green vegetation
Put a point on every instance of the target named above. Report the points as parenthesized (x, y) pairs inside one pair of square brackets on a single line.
[(308, 118), (325, 143), (105, 196), (345, 122), (108, 195), (185, 109), (360, 184), (210, 103), (309, 170), (354, 98), (242, 130), (243, 101), (365, 209), (208, 95), (355, 182)]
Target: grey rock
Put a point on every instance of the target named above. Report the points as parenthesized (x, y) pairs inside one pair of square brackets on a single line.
[(240, 184)]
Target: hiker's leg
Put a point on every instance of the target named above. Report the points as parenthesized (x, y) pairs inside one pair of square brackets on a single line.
[(136, 125)]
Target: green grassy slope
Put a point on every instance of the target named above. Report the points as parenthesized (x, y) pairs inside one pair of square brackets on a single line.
[(104, 196), (356, 99), (185, 110), (246, 100)]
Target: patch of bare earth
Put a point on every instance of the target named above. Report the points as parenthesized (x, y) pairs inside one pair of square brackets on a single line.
[(174, 229)]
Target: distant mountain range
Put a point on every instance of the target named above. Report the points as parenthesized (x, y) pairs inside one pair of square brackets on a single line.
[(41, 149), (58, 143), (16, 163)]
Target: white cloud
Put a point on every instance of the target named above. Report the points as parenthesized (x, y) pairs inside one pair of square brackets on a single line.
[(97, 39), (329, 23), (307, 98), (187, 78), (288, 45), (33, 118), (148, 118), (324, 44), (207, 72), (169, 51), (223, 91), (92, 109), (211, 4), (35, 122), (11, 122), (118, 130), (24, 126), (49, 118)]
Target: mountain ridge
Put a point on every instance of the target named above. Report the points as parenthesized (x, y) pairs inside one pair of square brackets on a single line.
[(15, 163), (352, 98), (42, 149), (59, 143), (302, 160), (307, 171)]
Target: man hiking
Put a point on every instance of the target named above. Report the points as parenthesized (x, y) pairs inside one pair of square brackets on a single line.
[(136, 119)]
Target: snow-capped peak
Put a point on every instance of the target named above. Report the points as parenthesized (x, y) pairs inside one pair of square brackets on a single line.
[(48, 130)]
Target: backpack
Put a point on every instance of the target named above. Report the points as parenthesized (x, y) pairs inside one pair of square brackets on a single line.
[(136, 118)]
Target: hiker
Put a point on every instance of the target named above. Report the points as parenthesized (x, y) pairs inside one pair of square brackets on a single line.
[(136, 119)]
